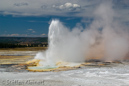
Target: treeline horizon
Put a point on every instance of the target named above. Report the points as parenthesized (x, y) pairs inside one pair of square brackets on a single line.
[(9, 45), (19, 42)]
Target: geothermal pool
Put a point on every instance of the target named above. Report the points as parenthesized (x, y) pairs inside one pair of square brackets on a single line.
[(112, 75)]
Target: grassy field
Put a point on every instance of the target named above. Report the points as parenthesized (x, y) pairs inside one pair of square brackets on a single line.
[(14, 59), (18, 55)]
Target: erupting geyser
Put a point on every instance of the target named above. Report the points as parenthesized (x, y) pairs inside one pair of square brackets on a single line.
[(106, 39)]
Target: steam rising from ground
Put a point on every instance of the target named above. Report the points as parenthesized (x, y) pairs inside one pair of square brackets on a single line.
[(106, 39)]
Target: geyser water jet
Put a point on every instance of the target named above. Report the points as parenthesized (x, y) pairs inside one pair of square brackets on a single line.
[(108, 44)]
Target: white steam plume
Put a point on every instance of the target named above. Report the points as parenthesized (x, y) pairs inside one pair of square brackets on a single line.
[(77, 45)]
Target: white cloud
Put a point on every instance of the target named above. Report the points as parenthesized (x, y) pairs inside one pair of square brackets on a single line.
[(14, 34), (30, 29), (76, 5), (80, 8), (43, 34), (10, 34), (40, 7), (68, 6)]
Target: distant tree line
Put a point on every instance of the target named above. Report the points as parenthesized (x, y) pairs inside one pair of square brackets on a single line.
[(19, 42), (12, 45), (8, 45)]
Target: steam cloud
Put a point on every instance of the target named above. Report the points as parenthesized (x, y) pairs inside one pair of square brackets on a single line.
[(106, 39)]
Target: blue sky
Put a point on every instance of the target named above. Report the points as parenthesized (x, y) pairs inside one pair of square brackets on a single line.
[(31, 26), (32, 17)]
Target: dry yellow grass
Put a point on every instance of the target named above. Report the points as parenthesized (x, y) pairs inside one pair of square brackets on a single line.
[(14, 59), (47, 70)]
